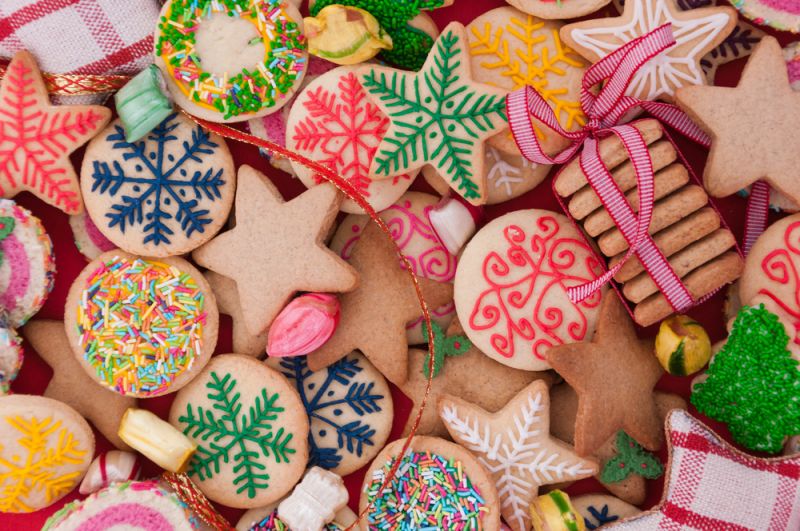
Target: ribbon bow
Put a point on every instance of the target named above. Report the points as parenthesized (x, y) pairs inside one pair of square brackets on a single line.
[(604, 112)]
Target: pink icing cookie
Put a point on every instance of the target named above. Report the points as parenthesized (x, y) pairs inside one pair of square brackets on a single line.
[(511, 287), (88, 238), (408, 221)]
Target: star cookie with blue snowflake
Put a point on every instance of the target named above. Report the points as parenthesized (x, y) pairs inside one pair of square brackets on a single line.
[(163, 195)]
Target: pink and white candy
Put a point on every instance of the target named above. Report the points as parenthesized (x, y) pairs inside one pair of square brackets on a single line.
[(110, 467), (304, 325)]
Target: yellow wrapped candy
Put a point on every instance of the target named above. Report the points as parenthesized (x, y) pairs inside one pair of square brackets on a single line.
[(345, 35), (156, 439), (554, 512), (682, 345)]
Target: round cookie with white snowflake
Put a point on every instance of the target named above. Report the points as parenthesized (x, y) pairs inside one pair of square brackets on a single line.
[(511, 50), (250, 428), (27, 263), (408, 221), (438, 484), (88, 239), (141, 327), (127, 505), (46, 449), (511, 287), (349, 408), (333, 122), (233, 60), (266, 519), (164, 195)]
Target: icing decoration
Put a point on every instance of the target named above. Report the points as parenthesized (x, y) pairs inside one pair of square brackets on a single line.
[(510, 177), (439, 116), (272, 522), (168, 192), (143, 103), (454, 221), (110, 467), (600, 517), (314, 501), (154, 311), (156, 439), (326, 399), (345, 35), (630, 459), (248, 439), (682, 345), (48, 447), (753, 383), (554, 512), (37, 137), (409, 44), (428, 492), (443, 347), (304, 325), (11, 356), (233, 93)]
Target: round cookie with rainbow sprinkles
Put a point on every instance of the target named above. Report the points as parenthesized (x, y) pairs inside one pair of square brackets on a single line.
[(231, 60), (141, 327)]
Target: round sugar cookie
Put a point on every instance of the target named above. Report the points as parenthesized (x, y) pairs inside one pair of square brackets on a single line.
[(349, 408), (11, 356), (783, 15), (164, 195), (266, 519), (88, 239), (27, 263), (233, 60), (250, 428), (134, 505), (437, 481), (45, 449), (411, 229), (561, 9), (333, 122), (511, 287), (600, 509), (142, 327)]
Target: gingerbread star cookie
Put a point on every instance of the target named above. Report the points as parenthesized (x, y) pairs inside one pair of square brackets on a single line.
[(71, 385), (515, 446), (751, 131), (614, 376), (374, 316), (277, 248), (227, 294), (696, 32), (36, 137)]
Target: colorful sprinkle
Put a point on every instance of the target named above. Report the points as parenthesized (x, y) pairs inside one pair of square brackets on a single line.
[(140, 324), (271, 522)]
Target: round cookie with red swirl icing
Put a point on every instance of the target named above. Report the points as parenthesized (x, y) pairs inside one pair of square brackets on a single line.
[(511, 287)]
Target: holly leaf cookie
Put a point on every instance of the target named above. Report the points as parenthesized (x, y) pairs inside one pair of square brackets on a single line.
[(277, 248)]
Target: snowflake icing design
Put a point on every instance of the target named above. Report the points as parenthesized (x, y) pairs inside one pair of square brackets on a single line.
[(328, 400), (600, 517), (161, 189), (503, 174), (249, 438)]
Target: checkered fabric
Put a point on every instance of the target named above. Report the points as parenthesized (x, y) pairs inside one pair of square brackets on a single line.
[(80, 36), (713, 487)]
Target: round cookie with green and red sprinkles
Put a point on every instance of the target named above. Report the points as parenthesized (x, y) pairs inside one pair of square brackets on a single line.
[(438, 485), (231, 60), (139, 326)]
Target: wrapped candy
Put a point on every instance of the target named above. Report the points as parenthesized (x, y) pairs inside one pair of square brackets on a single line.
[(314, 501), (455, 221), (156, 439), (682, 345), (345, 35), (554, 512), (304, 325), (110, 467)]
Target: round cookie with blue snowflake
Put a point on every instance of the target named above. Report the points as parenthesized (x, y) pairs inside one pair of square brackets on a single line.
[(349, 407), (163, 195)]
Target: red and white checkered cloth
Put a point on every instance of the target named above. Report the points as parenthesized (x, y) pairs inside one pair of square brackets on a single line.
[(713, 487), (81, 36)]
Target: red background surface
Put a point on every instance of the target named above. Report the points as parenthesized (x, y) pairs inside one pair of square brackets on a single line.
[(35, 374)]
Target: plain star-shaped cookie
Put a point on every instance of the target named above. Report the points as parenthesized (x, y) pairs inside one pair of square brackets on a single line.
[(697, 32), (36, 137), (751, 126), (227, 296), (374, 316), (277, 248), (515, 446), (614, 376), (72, 385)]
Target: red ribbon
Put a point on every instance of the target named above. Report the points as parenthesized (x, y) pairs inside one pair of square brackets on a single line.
[(604, 112)]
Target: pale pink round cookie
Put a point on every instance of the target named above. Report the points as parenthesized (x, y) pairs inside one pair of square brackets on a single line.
[(334, 123), (408, 221), (511, 287)]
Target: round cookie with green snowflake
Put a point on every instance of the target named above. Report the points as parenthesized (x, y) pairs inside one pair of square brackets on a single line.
[(163, 195), (231, 60), (139, 326), (250, 428)]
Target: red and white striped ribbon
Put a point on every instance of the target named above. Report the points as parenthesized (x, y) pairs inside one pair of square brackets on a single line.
[(604, 111), (757, 212)]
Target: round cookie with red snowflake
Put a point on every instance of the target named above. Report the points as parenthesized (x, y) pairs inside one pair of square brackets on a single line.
[(333, 122), (511, 287)]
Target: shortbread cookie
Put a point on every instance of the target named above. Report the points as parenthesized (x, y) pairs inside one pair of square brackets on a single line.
[(231, 61), (282, 243), (163, 195), (47, 447), (266, 519), (161, 310), (558, 10), (437, 483), (227, 295), (349, 408), (600, 509), (511, 287), (88, 239), (334, 123), (249, 425)]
